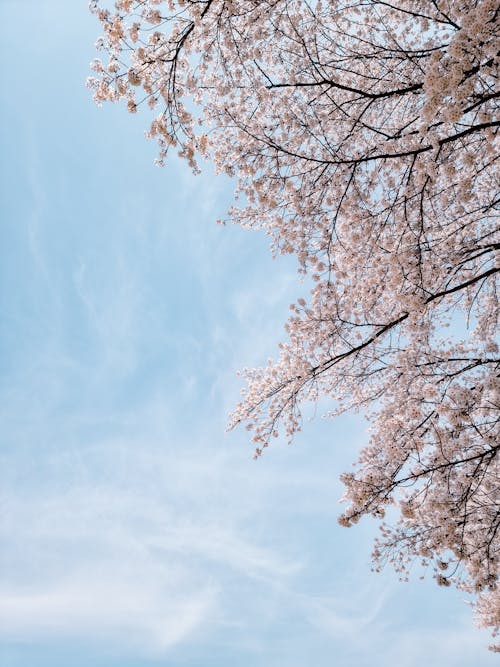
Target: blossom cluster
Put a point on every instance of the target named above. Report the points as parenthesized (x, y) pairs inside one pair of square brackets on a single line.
[(364, 140)]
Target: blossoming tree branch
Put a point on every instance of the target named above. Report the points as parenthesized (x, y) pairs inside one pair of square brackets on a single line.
[(364, 139)]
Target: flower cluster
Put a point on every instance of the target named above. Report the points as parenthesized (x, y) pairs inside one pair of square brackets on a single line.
[(364, 140)]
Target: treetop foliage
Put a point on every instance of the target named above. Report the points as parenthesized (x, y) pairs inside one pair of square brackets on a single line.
[(364, 139)]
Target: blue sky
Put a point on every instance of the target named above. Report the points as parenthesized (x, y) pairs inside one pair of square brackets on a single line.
[(134, 531)]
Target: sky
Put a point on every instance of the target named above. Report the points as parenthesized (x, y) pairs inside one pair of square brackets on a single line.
[(134, 530)]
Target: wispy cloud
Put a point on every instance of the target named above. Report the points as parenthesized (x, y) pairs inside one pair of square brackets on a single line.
[(135, 547), (141, 616)]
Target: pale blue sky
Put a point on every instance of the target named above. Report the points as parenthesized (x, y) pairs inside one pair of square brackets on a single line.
[(134, 531)]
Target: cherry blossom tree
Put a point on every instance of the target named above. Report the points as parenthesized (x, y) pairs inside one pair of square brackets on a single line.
[(363, 135)]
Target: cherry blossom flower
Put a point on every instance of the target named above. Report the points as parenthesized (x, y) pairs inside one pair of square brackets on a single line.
[(364, 140)]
